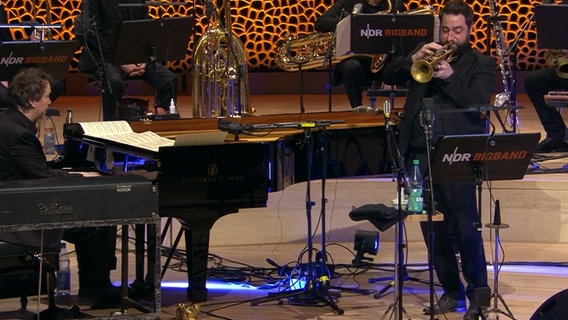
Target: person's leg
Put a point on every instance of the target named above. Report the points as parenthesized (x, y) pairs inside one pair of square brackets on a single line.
[(95, 248), (57, 88), (164, 82), (537, 84), (468, 237), (112, 90), (354, 75)]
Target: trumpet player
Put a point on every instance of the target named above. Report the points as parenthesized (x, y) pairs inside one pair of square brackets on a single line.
[(537, 84), (354, 73), (467, 79)]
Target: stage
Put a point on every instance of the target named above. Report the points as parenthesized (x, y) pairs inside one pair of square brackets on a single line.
[(534, 246)]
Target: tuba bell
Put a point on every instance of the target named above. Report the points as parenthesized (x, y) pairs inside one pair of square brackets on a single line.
[(422, 70), (220, 72)]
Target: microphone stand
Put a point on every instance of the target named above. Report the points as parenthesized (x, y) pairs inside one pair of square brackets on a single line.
[(315, 289), (402, 185), (427, 121)]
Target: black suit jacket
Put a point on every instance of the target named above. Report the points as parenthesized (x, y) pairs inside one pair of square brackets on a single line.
[(22, 157), (472, 83)]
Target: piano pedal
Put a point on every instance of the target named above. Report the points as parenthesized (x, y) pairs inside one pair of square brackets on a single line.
[(188, 311)]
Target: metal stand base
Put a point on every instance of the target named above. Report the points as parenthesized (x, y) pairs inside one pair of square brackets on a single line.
[(495, 296)]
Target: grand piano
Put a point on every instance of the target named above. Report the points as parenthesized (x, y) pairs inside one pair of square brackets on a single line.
[(199, 184)]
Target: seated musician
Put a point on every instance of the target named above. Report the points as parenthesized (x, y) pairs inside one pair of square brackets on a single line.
[(96, 41), (537, 84), (21, 157), (354, 73), (57, 86)]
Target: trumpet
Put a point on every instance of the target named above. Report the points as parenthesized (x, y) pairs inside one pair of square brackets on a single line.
[(423, 70)]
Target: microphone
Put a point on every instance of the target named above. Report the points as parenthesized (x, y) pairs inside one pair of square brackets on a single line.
[(209, 8), (85, 17), (427, 114), (497, 214), (357, 8)]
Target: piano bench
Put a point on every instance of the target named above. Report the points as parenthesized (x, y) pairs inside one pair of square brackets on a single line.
[(556, 99), (19, 272)]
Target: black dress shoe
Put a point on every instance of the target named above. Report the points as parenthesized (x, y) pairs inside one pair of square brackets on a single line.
[(108, 297), (473, 313), (446, 304), (552, 145)]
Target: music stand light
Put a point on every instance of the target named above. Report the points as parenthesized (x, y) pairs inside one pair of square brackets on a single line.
[(366, 242)]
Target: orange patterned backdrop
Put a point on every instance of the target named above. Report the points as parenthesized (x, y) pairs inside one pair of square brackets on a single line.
[(261, 24)]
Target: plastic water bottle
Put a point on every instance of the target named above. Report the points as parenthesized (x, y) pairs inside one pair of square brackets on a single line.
[(64, 273), (69, 117), (172, 107), (49, 137), (415, 200)]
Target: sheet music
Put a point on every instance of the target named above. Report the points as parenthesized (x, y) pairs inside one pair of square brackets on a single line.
[(121, 132)]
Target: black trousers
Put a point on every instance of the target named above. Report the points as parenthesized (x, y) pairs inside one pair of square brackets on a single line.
[(355, 74), (95, 248), (157, 75), (457, 233), (537, 84)]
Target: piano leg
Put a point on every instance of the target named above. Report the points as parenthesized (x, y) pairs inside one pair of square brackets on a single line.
[(197, 247)]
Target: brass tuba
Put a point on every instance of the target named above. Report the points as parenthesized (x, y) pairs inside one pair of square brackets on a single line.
[(220, 71), (312, 50), (423, 70)]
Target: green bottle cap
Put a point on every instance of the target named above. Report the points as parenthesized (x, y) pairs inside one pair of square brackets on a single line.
[(415, 162)]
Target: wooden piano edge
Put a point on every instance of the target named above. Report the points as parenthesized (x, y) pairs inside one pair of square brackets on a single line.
[(171, 128)]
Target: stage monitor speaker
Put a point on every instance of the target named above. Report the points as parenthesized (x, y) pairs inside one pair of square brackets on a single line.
[(556, 307)]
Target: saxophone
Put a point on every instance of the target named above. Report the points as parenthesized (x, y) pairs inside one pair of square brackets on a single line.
[(220, 73), (312, 50), (558, 58)]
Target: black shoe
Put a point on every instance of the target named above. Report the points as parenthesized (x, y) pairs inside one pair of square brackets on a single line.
[(552, 145), (109, 297), (446, 304), (473, 313)]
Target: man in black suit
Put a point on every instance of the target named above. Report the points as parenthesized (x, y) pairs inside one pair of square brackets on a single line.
[(22, 157), (466, 80), (102, 19), (57, 86), (354, 73)]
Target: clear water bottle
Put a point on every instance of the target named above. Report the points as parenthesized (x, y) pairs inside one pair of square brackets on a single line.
[(48, 137), (173, 109), (64, 273), (415, 200), (69, 117)]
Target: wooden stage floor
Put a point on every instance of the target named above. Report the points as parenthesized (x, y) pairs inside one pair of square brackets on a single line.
[(532, 273)]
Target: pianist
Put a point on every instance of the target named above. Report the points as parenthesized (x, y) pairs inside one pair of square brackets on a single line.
[(21, 157)]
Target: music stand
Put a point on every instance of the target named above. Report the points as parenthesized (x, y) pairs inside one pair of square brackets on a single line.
[(550, 18), (496, 157), (377, 34), (484, 157), (52, 56), (161, 40)]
